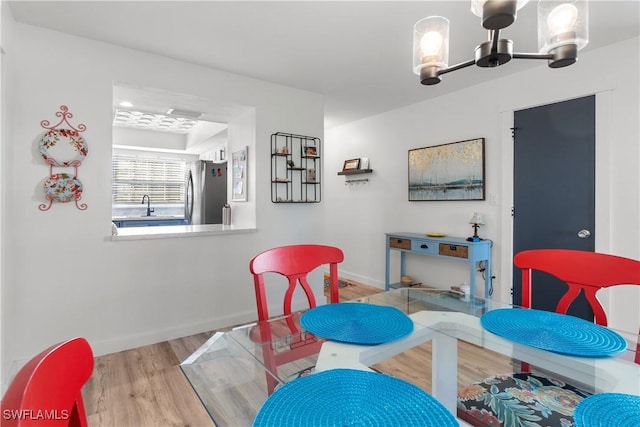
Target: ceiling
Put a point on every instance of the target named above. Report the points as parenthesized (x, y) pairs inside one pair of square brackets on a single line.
[(356, 53)]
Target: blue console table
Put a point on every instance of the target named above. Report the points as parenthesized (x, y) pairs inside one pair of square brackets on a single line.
[(445, 247)]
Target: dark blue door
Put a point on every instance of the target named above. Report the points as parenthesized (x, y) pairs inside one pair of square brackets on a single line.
[(554, 190)]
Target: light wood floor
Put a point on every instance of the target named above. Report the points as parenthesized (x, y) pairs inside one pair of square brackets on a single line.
[(146, 387)]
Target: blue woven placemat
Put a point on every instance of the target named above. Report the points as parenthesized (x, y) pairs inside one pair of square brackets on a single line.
[(608, 409), (554, 332), (357, 323), (346, 397)]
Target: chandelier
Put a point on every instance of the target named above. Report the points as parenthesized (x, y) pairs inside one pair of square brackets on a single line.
[(562, 31)]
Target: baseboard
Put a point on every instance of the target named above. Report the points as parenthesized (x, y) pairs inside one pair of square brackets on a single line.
[(115, 345), (345, 275), (122, 343)]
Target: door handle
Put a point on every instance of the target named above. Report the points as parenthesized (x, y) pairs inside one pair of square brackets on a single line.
[(584, 234), (188, 206)]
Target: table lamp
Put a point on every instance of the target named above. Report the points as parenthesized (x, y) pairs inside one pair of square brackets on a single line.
[(476, 220)]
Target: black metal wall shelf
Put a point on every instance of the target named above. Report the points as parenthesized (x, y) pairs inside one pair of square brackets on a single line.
[(355, 172), (295, 168)]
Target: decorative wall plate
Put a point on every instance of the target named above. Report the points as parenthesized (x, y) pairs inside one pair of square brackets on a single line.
[(63, 147), (63, 188)]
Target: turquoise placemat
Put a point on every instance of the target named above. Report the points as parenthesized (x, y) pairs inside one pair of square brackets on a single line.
[(608, 409), (554, 332), (357, 323), (346, 397)]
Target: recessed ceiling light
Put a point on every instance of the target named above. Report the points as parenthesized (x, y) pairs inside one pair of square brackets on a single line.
[(184, 113), (126, 104)]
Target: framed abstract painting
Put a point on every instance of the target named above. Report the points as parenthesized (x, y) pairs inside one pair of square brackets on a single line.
[(453, 171)]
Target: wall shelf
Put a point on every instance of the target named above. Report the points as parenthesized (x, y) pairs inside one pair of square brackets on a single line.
[(295, 168), (355, 172)]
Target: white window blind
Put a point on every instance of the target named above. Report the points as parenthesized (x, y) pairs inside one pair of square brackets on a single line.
[(162, 179)]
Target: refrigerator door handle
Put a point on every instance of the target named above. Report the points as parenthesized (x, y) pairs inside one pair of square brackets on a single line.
[(188, 206)]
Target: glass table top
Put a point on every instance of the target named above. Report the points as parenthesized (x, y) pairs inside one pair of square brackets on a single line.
[(234, 372)]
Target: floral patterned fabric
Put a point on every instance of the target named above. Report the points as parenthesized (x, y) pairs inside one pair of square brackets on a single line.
[(519, 400)]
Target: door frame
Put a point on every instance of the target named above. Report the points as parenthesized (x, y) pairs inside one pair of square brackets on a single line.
[(602, 91)]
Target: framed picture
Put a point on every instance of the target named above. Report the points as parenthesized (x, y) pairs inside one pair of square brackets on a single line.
[(453, 171), (239, 175), (311, 175), (310, 151), (350, 165)]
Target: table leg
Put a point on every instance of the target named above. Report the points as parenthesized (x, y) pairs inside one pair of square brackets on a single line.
[(445, 371)]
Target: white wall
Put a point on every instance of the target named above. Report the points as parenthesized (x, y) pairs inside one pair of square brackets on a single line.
[(206, 137), (62, 273), (358, 216), (2, 111), (148, 138), (7, 294)]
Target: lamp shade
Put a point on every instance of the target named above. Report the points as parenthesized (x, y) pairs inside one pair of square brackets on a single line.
[(562, 23), (476, 219), (430, 44)]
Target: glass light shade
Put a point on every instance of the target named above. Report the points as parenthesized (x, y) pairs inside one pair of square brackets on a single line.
[(430, 43), (562, 23)]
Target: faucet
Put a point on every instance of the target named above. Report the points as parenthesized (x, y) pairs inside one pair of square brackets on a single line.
[(149, 210)]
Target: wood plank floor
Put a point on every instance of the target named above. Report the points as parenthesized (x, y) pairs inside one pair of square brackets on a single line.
[(146, 387)]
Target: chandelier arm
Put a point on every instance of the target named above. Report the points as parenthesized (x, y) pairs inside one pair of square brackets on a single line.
[(533, 56), (457, 67)]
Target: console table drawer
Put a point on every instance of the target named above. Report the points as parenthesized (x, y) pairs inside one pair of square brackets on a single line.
[(458, 251), (427, 247), (395, 242)]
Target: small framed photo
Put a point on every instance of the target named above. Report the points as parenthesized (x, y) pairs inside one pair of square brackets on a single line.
[(310, 151), (364, 163), (239, 177), (350, 165), (311, 175)]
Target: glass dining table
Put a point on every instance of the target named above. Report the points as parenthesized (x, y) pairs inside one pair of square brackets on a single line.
[(235, 371)]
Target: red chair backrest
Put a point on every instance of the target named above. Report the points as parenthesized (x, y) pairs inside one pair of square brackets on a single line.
[(47, 391), (294, 262), (582, 271)]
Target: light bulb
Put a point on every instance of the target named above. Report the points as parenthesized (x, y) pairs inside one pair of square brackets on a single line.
[(562, 19), (430, 47), (431, 43)]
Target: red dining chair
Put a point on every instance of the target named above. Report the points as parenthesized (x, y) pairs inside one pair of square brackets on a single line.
[(583, 272), (47, 391), (294, 262)]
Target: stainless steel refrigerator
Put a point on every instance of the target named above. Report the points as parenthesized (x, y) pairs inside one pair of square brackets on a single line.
[(206, 192)]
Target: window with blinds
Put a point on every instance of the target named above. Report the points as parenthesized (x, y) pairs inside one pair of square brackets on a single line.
[(134, 176)]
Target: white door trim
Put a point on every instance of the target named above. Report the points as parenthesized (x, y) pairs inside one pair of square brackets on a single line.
[(602, 174)]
